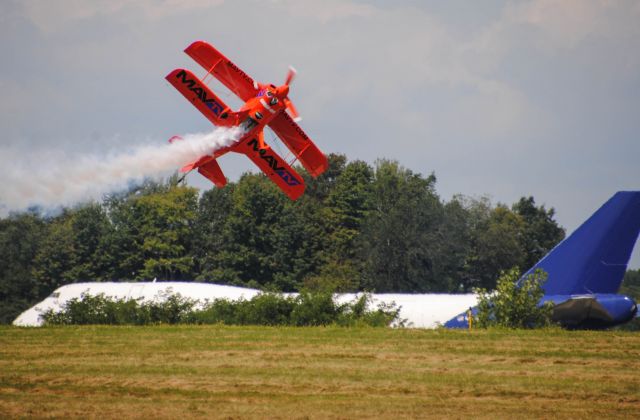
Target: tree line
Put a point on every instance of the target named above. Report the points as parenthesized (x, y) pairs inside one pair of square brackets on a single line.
[(379, 227)]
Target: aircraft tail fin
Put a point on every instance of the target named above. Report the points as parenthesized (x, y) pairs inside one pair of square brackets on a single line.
[(594, 258)]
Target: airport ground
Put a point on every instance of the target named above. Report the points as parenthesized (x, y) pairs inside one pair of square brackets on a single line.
[(258, 372)]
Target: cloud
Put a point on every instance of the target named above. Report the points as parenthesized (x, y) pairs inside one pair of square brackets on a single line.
[(563, 24), (555, 26), (410, 53), (52, 16), (327, 10)]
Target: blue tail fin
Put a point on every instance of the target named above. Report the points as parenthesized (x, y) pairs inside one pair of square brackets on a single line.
[(594, 258)]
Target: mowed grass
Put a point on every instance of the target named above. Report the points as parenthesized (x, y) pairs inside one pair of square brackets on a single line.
[(259, 372)]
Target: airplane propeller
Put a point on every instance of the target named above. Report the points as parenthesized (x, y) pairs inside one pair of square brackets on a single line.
[(291, 74)]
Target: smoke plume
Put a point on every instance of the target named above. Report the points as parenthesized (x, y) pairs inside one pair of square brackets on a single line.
[(50, 181)]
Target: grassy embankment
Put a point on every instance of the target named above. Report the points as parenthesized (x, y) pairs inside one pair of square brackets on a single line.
[(217, 371)]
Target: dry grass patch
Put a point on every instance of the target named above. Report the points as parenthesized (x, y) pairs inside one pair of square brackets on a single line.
[(258, 372)]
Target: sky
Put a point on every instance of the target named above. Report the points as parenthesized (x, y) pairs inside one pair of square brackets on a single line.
[(497, 98)]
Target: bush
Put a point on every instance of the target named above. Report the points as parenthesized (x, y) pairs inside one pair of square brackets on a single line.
[(315, 309), (101, 309), (357, 314), (262, 309), (515, 304), (306, 309), (175, 309)]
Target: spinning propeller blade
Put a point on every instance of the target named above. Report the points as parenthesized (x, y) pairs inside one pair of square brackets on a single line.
[(290, 76), (290, 107)]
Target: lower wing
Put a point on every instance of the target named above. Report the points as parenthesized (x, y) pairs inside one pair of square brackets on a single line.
[(313, 160), (273, 166)]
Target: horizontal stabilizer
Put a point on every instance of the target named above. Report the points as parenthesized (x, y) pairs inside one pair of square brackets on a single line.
[(212, 171), (201, 97), (313, 160)]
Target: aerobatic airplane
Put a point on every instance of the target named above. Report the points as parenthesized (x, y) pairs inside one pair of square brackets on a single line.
[(265, 105)]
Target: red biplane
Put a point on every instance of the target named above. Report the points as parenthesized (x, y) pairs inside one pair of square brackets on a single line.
[(264, 105)]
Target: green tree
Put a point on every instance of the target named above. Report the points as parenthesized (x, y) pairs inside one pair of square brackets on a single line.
[(19, 244), (540, 232), (265, 239), (56, 257), (452, 246), (513, 304), (90, 226), (335, 276), (152, 233), (319, 188), (349, 203), (165, 225), (251, 234), (345, 209), (71, 247), (211, 234), (495, 245), (398, 240), (122, 257)]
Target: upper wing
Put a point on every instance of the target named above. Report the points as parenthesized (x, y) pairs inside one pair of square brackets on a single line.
[(313, 160), (223, 69)]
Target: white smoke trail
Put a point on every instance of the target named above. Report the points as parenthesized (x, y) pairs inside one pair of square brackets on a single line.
[(65, 180)]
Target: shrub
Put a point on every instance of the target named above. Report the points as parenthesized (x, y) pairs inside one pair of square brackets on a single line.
[(306, 309), (358, 313), (262, 309), (315, 309), (515, 304), (101, 309)]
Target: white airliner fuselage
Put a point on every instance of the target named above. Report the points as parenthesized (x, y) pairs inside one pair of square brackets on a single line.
[(419, 310)]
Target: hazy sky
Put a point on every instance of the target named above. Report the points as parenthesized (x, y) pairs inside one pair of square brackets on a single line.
[(498, 98)]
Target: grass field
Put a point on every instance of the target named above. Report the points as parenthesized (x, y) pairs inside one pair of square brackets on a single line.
[(257, 372)]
